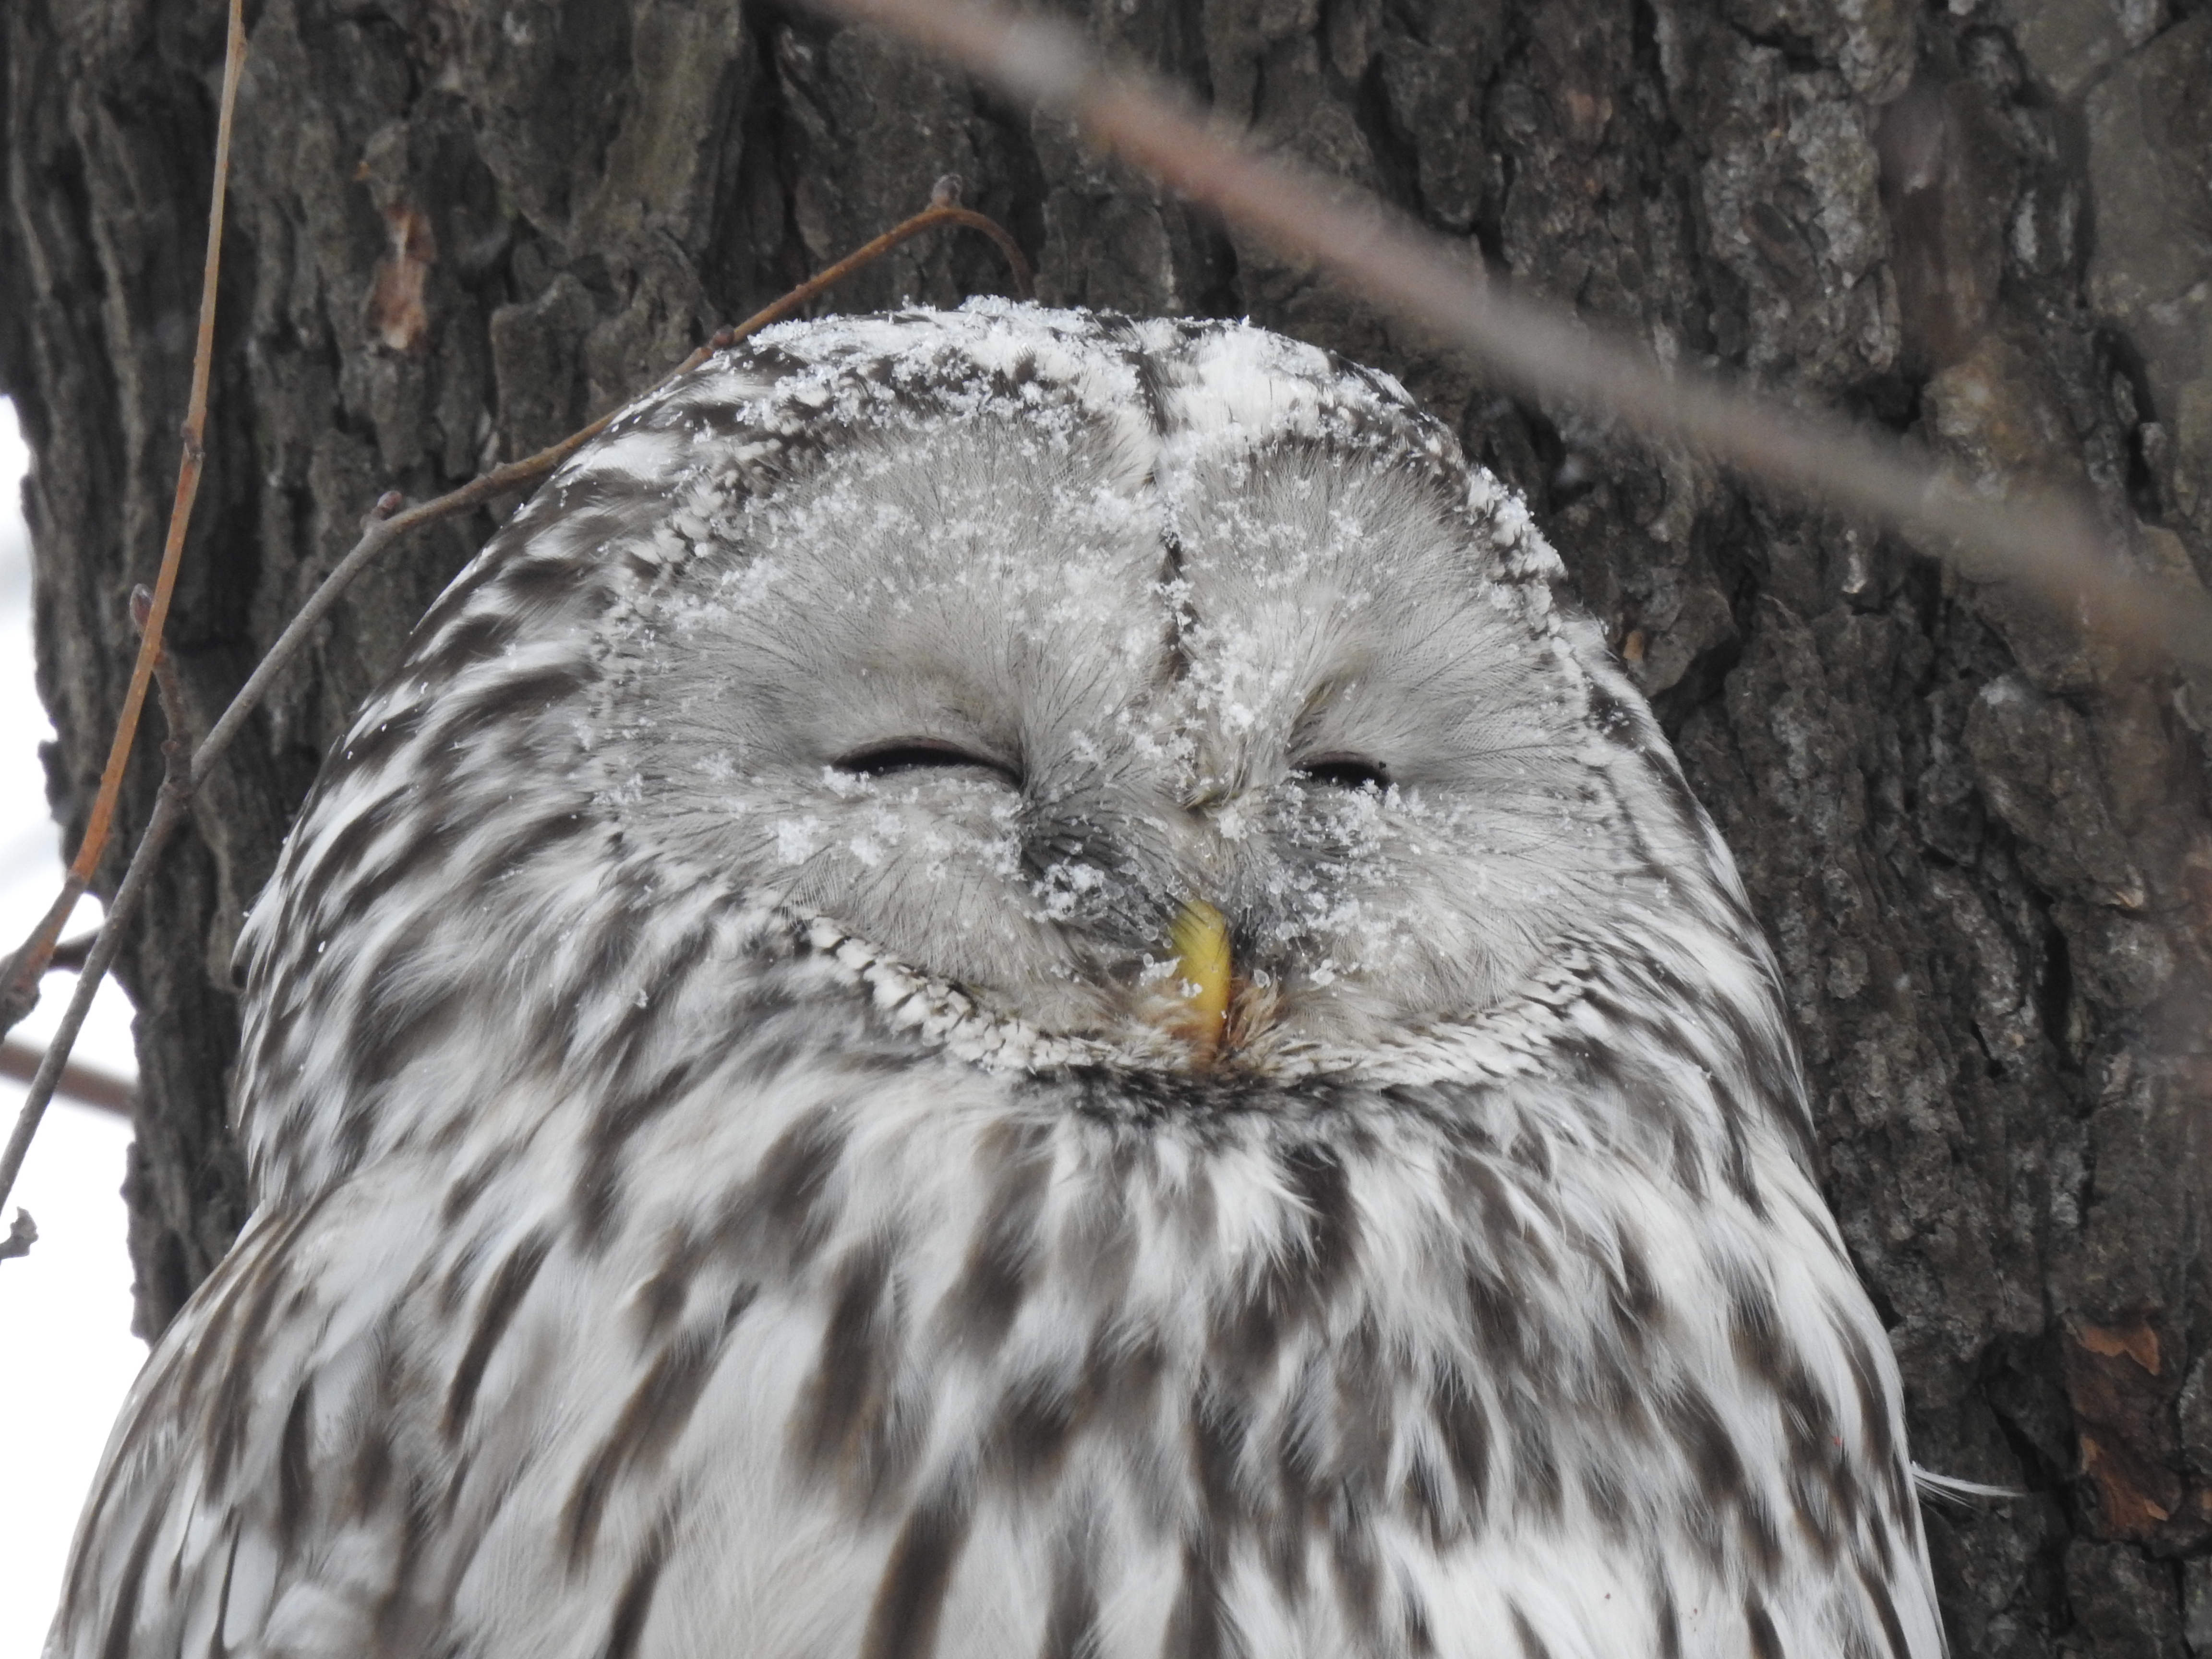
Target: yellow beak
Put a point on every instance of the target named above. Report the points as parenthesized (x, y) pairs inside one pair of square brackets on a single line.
[(1200, 937)]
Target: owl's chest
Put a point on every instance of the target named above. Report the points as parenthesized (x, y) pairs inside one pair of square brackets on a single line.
[(888, 1351), (1008, 1291)]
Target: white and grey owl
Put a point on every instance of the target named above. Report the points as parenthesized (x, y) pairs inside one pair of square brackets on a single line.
[(1003, 984)]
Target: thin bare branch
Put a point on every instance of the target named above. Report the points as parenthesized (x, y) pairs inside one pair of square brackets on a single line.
[(69, 955), (87, 1085), (165, 680), (2046, 541), (30, 962), (169, 810)]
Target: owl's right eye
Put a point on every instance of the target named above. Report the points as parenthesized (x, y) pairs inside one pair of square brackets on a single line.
[(1346, 772), (914, 755)]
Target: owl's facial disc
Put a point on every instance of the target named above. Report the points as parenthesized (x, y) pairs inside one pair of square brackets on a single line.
[(1245, 754)]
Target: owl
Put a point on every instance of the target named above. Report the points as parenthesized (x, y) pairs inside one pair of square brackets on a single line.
[(1006, 985)]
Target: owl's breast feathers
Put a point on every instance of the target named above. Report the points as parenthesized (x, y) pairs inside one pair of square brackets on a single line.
[(857, 1350), (647, 1267)]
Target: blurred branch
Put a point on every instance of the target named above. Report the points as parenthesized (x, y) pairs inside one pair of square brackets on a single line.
[(87, 1085), (70, 953), (2048, 541)]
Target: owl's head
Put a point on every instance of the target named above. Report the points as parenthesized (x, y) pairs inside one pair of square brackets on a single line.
[(1168, 687), (1157, 693)]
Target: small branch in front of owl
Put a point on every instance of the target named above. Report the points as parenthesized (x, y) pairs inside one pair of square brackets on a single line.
[(177, 744), (387, 521)]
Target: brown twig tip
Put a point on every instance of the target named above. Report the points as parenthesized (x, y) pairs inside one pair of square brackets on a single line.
[(70, 955), (141, 606), (946, 192), (20, 1236), (386, 504), (177, 744)]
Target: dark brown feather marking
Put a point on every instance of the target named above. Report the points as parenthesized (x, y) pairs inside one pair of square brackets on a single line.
[(1121, 1380), (1422, 1497), (295, 1482), (1466, 1436), (1885, 1609), (1199, 1626), (1873, 1416), (661, 1298), (1071, 1622), (369, 1474), (1420, 1640), (1531, 1646), (1670, 1623), (124, 1616), (1688, 1163), (1638, 1311), (1539, 1491), (793, 1180), (1755, 1330), (402, 1012), (505, 701), (178, 1391), (1249, 1328), (1762, 1542), (1303, 1487), (1494, 1309), (244, 1378), (1705, 1445), (850, 1419), (1315, 1175), (980, 1307), (1031, 1430), (401, 1615), (494, 1314), (216, 1647), (910, 1598), (473, 640), (1766, 1644), (1607, 1503), (651, 1419), (634, 1607)]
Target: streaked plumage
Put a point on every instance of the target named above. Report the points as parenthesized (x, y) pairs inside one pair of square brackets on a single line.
[(741, 1170)]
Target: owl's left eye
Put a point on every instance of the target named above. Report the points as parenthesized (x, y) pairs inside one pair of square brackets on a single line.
[(914, 755), (1346, 772)]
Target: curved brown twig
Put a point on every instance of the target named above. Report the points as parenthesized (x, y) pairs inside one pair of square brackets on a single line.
[(31, 960)]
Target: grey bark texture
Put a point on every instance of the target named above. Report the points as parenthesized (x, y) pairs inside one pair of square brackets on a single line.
[(1982, 847)]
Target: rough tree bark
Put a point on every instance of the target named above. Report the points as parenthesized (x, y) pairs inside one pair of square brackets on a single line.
[(1984, 849)]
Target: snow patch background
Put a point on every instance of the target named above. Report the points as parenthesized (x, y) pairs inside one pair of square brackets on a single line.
[(67, 1355)]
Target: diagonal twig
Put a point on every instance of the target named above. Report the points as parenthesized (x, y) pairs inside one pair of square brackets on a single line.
[(30, 962), (2048, 541)]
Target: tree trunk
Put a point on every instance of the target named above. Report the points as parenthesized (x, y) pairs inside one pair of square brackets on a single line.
[(1983, 845)]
